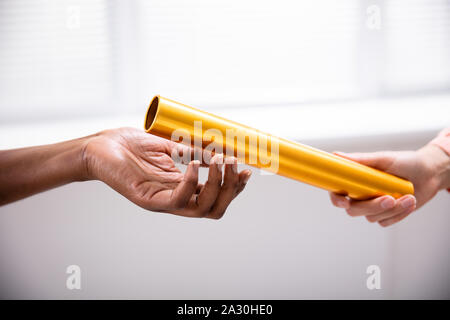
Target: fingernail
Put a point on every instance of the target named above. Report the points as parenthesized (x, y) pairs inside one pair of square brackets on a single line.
[(247, 176), (219, 166), (233, 162), (407, 202), (234, 166), (388, 203), (229, 160), (195, 163), (218, 161)]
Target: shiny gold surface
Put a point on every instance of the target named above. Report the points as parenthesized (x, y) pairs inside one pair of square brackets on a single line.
[(292, 159)]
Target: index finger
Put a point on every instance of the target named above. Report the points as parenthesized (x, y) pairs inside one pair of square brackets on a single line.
[(184, 154)]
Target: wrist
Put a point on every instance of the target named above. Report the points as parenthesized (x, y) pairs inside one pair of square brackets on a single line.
[(438, 162), (86, 157), (69, 160), (82, 163)]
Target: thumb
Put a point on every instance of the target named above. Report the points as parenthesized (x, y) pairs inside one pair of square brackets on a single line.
[(378, 160)]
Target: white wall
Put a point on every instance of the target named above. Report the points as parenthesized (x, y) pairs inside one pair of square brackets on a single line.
[(279, 239)]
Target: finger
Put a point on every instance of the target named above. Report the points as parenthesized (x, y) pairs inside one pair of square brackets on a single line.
[(370, 207), (208, 156), (339, 201), (181, 153), (228, 190), (181, 195), (195, 153), (380, 160), (210, 191), (402, 205), (244, 176), (191, 209), (397, 218)]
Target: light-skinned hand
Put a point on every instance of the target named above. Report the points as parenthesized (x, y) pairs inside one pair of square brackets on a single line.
[(426, 168)]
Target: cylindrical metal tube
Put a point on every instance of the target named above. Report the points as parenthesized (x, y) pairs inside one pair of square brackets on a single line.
[(284, 157)]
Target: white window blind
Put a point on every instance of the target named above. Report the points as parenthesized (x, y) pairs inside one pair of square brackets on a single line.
[(231, 52), (61, 58), (417, 45), (55, 57)]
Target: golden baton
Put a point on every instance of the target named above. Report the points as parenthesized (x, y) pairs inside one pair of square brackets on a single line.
[(172, 120)]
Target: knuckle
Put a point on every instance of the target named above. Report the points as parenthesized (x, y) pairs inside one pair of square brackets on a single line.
[(191, 182), (214, 183), (235, 179), (229, 187), (232, 178)]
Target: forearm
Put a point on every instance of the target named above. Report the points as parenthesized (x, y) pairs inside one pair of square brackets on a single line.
[(444, 170), (27, 171), (442, 141), (437, 161)]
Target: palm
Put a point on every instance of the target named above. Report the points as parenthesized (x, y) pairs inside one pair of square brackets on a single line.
[(408, 165), (135, 164), (140, 167), (411, 165)]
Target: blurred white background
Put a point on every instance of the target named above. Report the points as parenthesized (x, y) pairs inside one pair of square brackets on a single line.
[(63, 58), (354, 75)]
